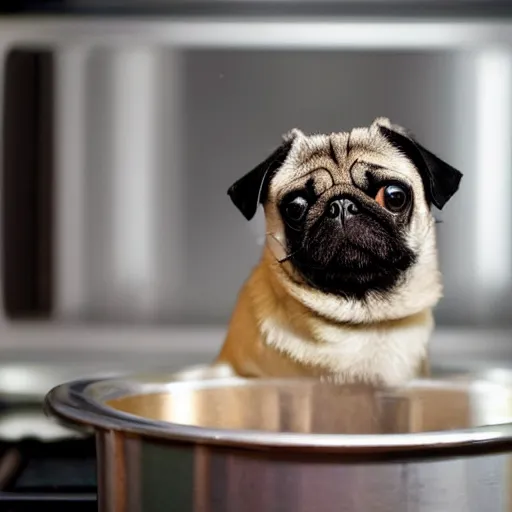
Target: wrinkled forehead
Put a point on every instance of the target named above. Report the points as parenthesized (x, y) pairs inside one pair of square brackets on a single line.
[(322, 161)]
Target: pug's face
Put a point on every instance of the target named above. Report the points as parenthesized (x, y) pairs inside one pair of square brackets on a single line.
[(351, 211)]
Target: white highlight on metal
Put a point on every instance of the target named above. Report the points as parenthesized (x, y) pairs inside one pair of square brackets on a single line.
[(133, 178), (493, 213), (491, 402), (70, 189), (243, 33)]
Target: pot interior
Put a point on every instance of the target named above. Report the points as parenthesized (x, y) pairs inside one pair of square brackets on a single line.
[(310, 406)]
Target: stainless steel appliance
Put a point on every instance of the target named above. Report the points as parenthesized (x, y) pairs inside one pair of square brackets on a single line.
[(150, 120)]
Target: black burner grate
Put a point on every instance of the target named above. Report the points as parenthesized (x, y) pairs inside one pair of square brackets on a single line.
[(58, 475)]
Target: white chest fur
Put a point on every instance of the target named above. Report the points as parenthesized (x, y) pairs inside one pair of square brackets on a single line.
[(388, 353)]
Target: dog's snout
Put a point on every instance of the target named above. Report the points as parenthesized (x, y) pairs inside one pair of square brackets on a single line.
[(342, 209)]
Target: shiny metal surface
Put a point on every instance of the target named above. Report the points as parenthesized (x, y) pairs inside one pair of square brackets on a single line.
[(138, 474), (144, 239), (306, 407), (313, 415), (136, 98), (240, 32), (371, 449)]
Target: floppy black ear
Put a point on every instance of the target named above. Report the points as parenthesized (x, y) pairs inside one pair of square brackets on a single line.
[(252, 189), (440, 180)]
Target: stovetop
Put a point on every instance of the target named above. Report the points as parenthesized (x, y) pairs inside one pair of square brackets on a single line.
[(58, 475), (44, 466)]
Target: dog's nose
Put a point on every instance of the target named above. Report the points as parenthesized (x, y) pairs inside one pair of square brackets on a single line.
[(342, 209)]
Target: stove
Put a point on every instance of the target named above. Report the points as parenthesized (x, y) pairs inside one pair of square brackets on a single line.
[(44, 466), (57, 475)]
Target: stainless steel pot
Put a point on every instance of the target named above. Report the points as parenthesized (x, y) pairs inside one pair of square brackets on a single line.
[(188, 443)]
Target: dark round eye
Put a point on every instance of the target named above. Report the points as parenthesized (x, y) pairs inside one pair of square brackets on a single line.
[(295, 209), (392, 197)]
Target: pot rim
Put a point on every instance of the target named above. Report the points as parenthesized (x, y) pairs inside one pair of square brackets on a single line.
[(77, 404)]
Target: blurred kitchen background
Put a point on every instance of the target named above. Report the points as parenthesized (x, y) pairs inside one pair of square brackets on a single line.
[(124, 123)]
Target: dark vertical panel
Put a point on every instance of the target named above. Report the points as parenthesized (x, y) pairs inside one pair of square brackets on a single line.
[(27, 184), (19, 187), (45, 144)]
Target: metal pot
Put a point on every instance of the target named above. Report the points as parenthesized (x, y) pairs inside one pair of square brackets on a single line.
[(225, 445)]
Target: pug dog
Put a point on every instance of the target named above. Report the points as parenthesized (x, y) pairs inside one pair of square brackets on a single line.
[(349, 274)]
